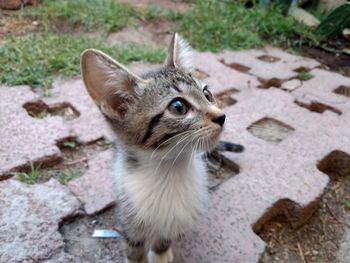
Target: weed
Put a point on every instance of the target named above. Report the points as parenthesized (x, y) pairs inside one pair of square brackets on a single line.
[(30, 177), (304, 75), (70, 144), (107, 143), (346, 203), (35, 59), (65, 176)]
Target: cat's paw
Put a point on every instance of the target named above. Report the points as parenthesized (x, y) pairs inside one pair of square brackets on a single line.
[(166, 257)]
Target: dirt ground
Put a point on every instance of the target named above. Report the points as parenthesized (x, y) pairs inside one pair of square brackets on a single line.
[(319, 240)]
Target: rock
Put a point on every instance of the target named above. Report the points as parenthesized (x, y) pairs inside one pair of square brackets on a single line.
[(10, 4), (304, 17), (94, 188), (24, 138), (29, 221), (346, 33)]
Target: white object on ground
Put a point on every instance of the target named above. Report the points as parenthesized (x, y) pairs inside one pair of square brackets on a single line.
[(105, 233)]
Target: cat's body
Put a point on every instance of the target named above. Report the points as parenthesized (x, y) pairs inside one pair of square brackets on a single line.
[(165, 120), (160, 205)]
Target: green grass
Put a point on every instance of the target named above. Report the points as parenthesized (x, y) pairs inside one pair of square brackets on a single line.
[(91, 14), (345, 203), (32, 176), (304, 75), (36, 174), (216, 25), (35, 59)]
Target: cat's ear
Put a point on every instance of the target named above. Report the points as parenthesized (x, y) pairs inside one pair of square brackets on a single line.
[(110, 84), (179, 54)]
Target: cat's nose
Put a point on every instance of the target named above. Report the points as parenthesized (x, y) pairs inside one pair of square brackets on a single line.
[(219, 119)]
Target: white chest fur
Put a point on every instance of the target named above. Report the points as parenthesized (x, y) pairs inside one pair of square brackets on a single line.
[(168, 197)]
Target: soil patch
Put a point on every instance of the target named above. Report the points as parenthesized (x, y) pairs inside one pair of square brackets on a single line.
[(156, 32), (335, 61), (14, 25), (79, 241), (318, 240), (61, 26), (178, 5)]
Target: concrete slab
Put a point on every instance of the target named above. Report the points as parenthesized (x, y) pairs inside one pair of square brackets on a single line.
[(276, 177), (324, 88), (94, 188), (24, 138), (29, 220), (268, 63), (90, 125), (221, 77)]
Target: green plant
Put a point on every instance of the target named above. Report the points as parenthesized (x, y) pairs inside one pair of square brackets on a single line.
[(65, 176), (32, 176), (91, 14), (216, 25), (70, 144), (345, 203), (107, 143), (35, 59), (304, 75)]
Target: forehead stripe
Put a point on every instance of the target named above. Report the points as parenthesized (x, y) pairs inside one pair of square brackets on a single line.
[(176, 88)]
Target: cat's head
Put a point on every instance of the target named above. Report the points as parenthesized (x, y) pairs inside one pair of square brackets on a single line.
[(160, 109)]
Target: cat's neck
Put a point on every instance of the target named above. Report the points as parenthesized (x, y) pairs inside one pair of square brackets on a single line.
[(164, 161)]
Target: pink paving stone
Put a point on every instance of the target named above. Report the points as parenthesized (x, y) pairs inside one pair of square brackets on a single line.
[(90, 125), (222, 77), (291, 85), (94, 188), (23, 138), (281, 69), (321, 89), (29, 221), (269, 173)]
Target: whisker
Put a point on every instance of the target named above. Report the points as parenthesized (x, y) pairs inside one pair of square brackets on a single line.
[(168, 140)]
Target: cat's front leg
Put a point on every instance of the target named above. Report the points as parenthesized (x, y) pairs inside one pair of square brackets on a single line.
[(161, 252), (135, 252)]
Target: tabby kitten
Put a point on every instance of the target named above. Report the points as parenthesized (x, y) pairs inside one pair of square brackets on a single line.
[(164, 120)]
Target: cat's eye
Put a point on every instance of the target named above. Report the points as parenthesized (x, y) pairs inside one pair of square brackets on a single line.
[(208, 94), (178, 106)]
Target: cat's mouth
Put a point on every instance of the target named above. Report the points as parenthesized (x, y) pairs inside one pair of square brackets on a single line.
[(210, 139)]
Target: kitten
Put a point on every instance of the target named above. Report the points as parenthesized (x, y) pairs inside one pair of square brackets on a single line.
[(165, 120)]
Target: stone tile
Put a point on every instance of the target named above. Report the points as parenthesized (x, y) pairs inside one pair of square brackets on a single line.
[(322, 88), (29, 220), (274, 177), (94, 188), (221, 77), (291, 85), (90, 125), (273, 63), (24, 138)]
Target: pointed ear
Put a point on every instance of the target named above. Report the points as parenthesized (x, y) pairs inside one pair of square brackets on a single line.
[(110, 84), (179, 54)]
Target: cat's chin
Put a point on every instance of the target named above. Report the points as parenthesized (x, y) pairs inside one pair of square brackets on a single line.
[(213, 140)]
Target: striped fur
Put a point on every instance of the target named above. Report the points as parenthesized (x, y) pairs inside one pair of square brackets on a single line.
[(159, 175)]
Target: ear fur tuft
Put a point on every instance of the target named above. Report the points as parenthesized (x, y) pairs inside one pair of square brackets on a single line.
[(179, 54)]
